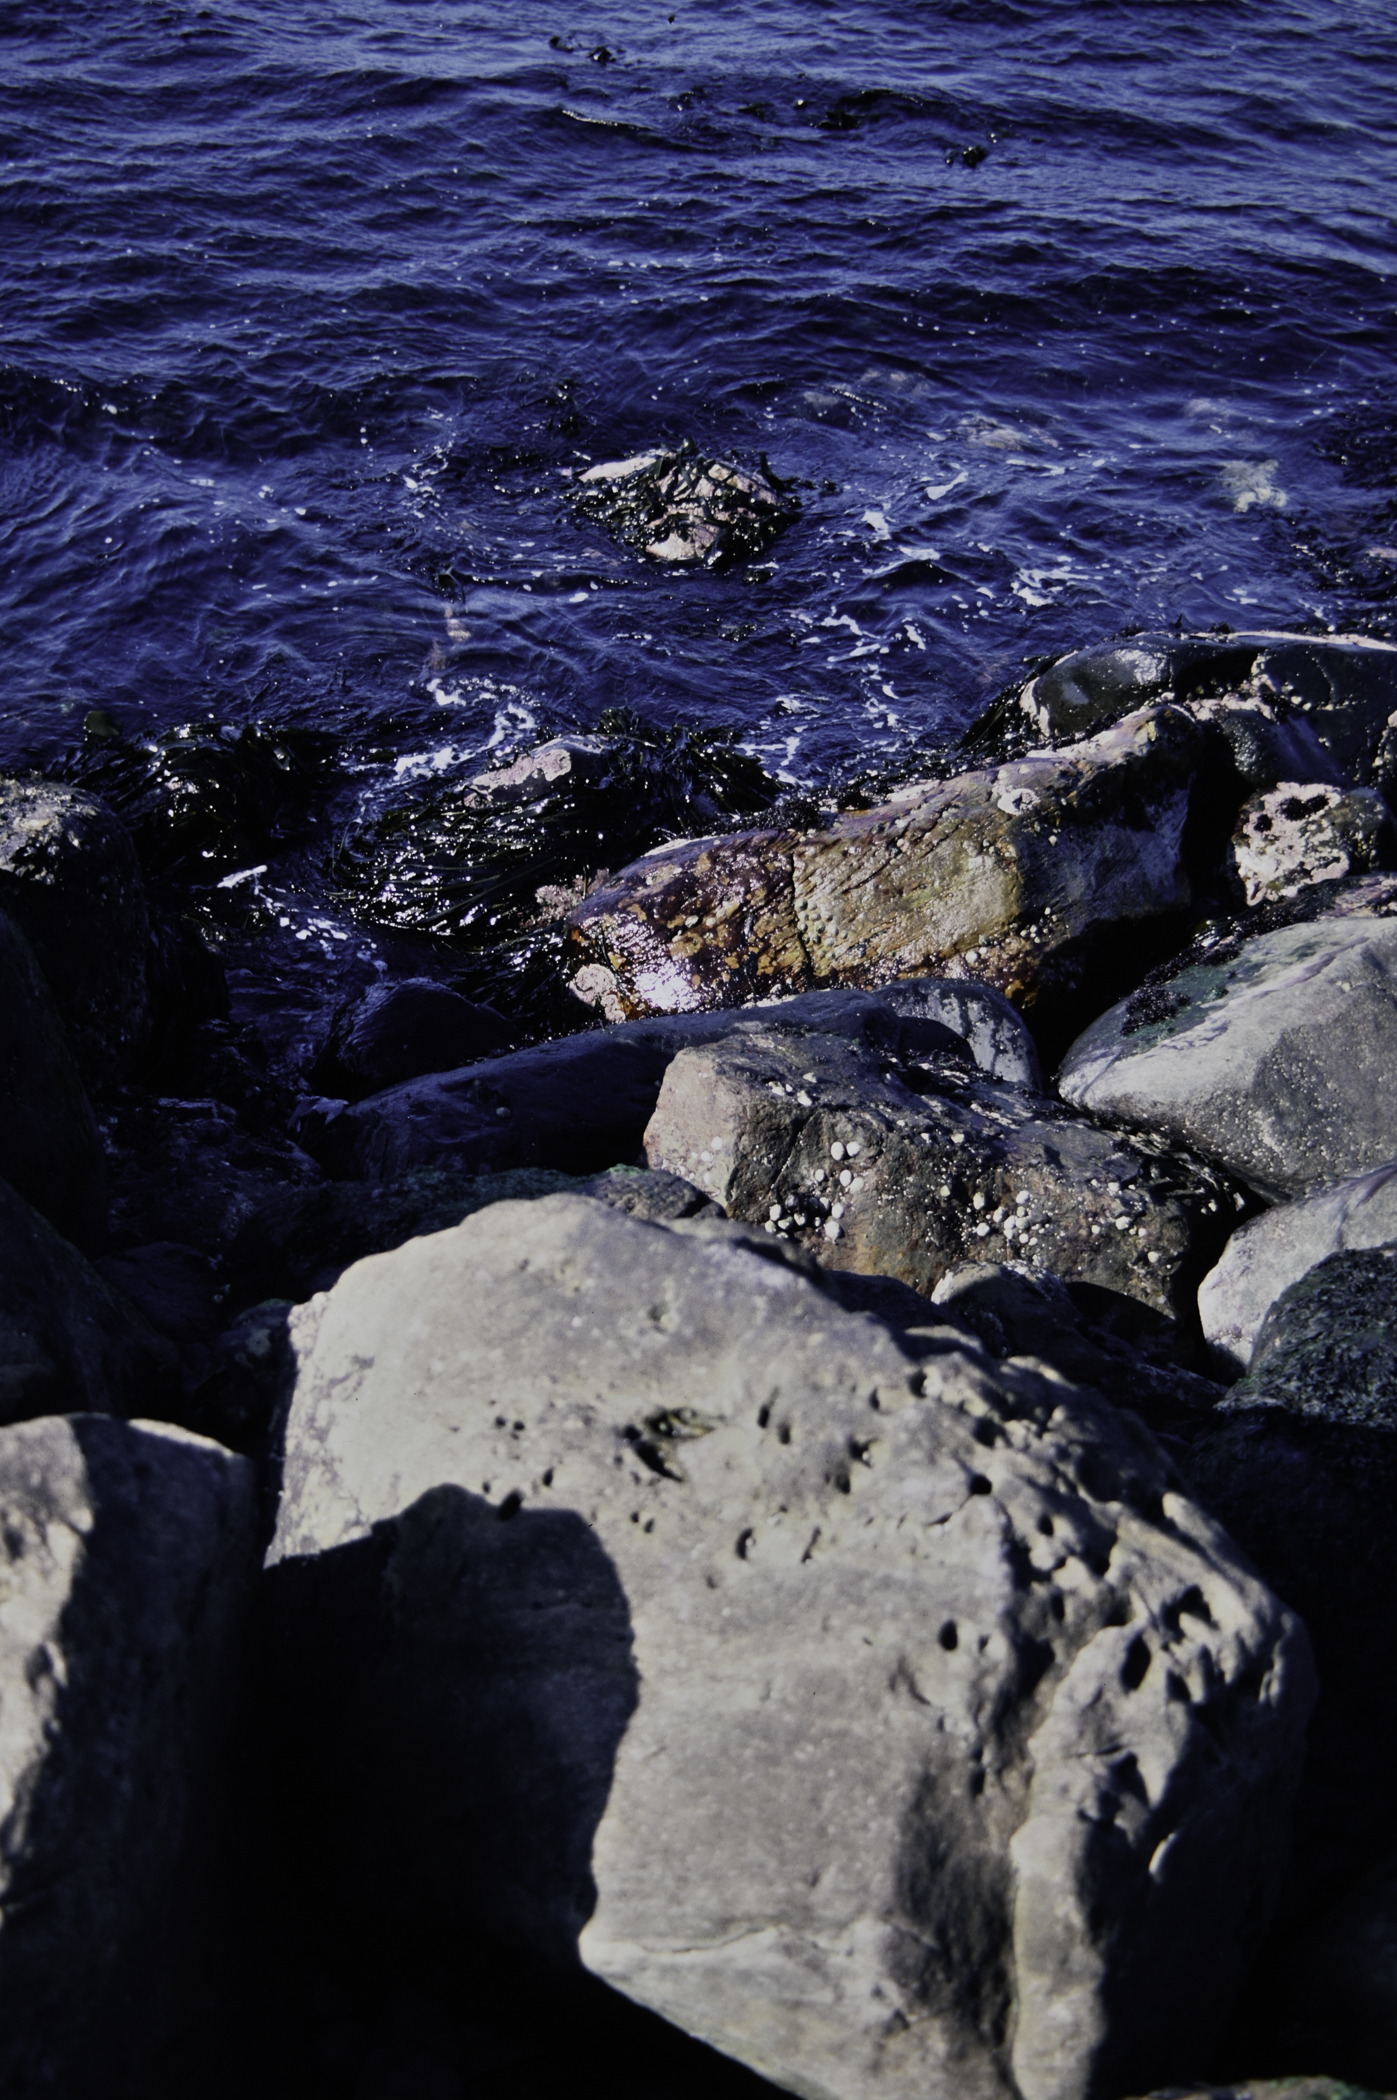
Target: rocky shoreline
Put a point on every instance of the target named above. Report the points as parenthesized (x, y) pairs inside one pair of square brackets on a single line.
[(847, 1497)]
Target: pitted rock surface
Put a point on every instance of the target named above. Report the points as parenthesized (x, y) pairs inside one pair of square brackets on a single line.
[(1277, 1057), (827, 1145), (1300, 833), (899, 1728)]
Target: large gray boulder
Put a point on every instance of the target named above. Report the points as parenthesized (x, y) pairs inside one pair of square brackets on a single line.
[(1275, 1056), (70, 879), (820, 1142), (1278, 1248), (127, 1563), (1020, 876), (50, 1149), (900, 1728), (69, 1342)]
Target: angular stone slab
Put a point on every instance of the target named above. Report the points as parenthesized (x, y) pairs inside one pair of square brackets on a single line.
[(819, 1141), (1277, 1056), (1275, 1250), (900, 1729), (124, 1576)]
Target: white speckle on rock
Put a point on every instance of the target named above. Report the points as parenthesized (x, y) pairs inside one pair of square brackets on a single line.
[(836, 1150), (831, 1229)]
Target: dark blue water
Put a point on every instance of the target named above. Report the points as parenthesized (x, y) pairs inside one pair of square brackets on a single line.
[(306, 312)]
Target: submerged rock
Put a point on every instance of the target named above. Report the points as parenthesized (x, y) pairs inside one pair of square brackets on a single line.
[(680, 506), (68, 1341), (1028, 877), (1275, 1250), (816, 1141), (50, 1149), (70, 880), (638, 1602), (125, 1578), (1276, 1056)]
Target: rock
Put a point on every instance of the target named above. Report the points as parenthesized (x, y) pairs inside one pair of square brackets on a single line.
[(302, 1241), (1302, 1469), (819, 1142), (1028, 877), (191, 1172), (1338, 2003), (1303, 2088), (1296, 835), (174, 1287), (247, 1379), (657, 1197), (996, 1036), (1282, 1245), (678, 506), (1017, 1311), (125, 1578), (70, 880), (50, 1150), (630, 1599), (1277, 1056), (1336, 692), (563, 762), (579, 1105), (67, 1341), (399, 1031)]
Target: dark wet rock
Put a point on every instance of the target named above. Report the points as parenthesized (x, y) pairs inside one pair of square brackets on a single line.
[(994, 1033), (68, 1341), (245, 1379), (50, 1150), (190, 1171), (494, 864), (1337, 691), (127, 1571), (399, 1031), (303, 1240), (1302, 833), (625, 1587), (1302, 1470), (70, 880), (209, 796), (1268, 1253), (1044, 878), (1017, 1311), (1275, 1056), (909, 1173), (174, 1287), (679, 506)]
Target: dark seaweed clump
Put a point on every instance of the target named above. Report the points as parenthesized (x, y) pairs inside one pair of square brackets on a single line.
[(714, 511)]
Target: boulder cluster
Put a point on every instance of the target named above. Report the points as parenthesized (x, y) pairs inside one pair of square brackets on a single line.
[(845, 1504)]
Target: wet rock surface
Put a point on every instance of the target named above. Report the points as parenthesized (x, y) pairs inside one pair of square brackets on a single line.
[(910, 1173), (70, 880), (126, 1577), (1269, 1253), (1024, 876), (50, 1150), (68, 1341), (1277, 1056), (779, 1811)]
